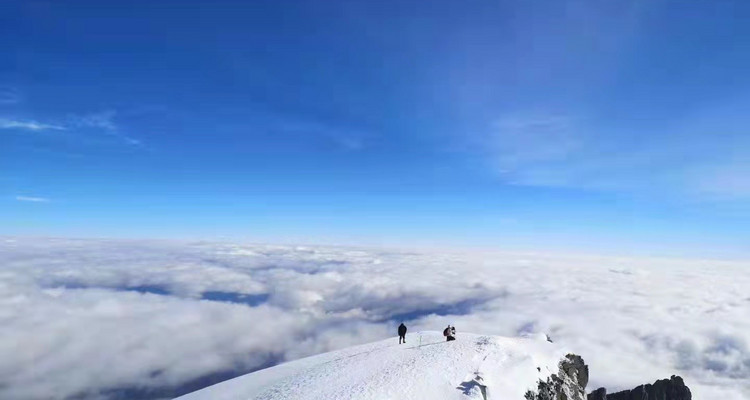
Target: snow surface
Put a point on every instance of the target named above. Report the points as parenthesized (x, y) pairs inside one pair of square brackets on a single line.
[(434, 369)]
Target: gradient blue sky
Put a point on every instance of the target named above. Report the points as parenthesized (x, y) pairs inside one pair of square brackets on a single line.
[(593, 126)]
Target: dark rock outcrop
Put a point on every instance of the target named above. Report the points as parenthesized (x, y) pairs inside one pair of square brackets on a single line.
[(664, 389), (598, 394), (568, 384), (574, 367)]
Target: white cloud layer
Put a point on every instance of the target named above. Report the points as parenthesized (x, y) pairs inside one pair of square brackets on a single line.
[(96, 318)]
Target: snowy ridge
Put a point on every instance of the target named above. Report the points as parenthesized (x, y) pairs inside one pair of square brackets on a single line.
[(472, 367)]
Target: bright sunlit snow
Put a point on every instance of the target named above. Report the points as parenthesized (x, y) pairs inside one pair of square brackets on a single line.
[(426, 367)]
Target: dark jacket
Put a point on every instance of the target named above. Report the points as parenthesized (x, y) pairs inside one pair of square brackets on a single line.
[(402, 330)]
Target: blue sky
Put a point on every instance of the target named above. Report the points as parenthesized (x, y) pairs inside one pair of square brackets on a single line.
[(585, 126)]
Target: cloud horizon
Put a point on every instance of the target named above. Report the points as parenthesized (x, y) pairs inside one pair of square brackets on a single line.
[(113, 319)]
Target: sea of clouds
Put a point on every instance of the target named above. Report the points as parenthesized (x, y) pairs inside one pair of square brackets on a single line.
[(113, 319)]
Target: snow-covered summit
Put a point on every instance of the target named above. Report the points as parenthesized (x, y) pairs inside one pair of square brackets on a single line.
[(427, 367)]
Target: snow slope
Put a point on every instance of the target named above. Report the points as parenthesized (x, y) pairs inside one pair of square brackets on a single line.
[(472, 367)]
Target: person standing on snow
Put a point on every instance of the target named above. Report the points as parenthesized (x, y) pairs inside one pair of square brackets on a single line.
[(401, 333), (449, 333)]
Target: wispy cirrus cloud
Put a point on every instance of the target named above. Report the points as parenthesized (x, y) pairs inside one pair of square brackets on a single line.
[(696, 160), (33, 199), (7, 123), (105, 121), (101, 122), (727, 180), (9, 95), (347, 139)]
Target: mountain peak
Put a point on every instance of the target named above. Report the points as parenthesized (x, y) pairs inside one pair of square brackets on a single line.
[(426, 367)]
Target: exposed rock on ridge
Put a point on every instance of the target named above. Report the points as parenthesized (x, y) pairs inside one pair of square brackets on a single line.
[(664, 389), (570, 384)]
